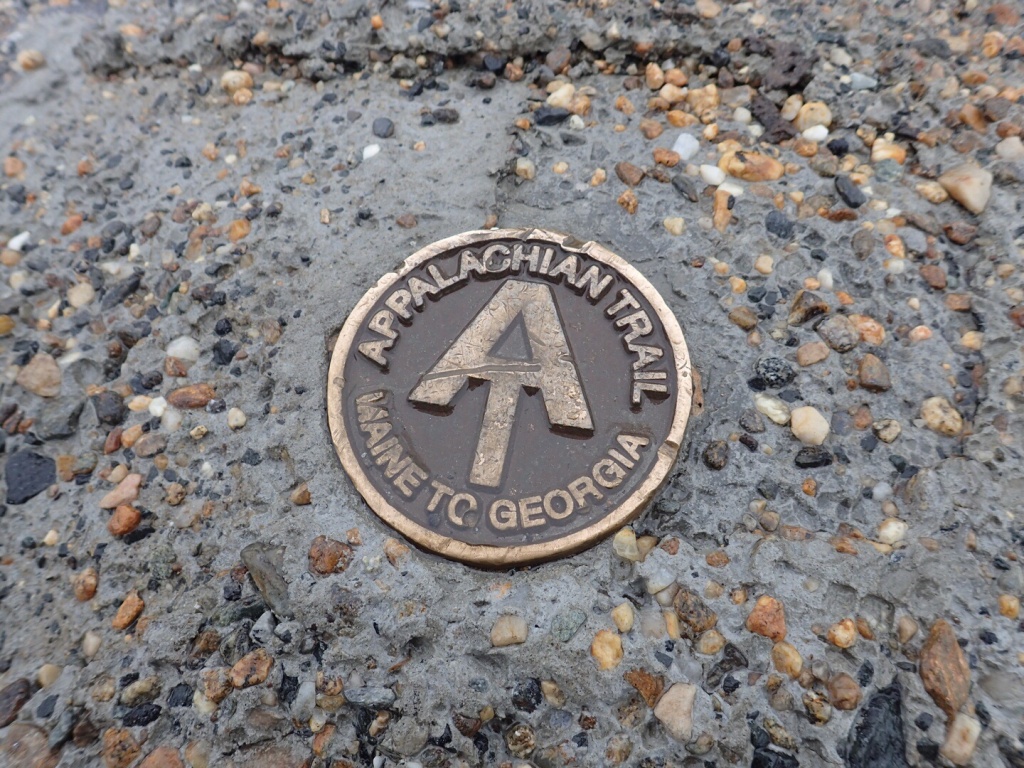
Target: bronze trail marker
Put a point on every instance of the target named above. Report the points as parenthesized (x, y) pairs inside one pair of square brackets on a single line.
[(509, 396)]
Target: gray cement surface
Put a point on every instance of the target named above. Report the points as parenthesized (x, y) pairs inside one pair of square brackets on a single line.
[(409, 639)]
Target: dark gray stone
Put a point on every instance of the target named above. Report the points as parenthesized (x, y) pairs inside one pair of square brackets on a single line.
[(28, 474)]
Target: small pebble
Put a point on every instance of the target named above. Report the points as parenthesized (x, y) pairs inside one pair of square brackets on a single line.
[(48, 674), (30, 59), (772, 407), (606, 649), (234, 80), (675, 710), (816, 133), (382, 128), (525, 168), (686, 146), (969, 185), (892, 531), (940, 416), (675, 225), (843, 634), (712, 175), (236, 418), (508, 630), (808, 425), (811, 114)]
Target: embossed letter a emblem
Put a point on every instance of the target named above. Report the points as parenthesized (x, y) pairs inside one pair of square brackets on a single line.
[(543, 363)]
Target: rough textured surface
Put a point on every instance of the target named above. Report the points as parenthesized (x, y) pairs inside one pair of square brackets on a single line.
[(249, 215)]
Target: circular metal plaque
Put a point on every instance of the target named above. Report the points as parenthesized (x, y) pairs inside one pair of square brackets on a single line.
[(509, 396)]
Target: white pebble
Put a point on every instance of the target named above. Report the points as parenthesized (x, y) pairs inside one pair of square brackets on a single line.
[(17, 242), (370, 150), (576, 123), (90, 644), (171, 420), (1010, 148), (80, 294), (772, 407), (825, 278), (658, 580), (816, 133), (742, 115), (236, 418), (206, 470), (840, 57), (731, 187), (861, 82), (712, 174), (184, 348), (686, 146), (892, 531), (203, 705), (51, 538), (157, 407), (881, 491)]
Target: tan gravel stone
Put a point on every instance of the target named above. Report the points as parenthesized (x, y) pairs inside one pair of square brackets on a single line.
[(191, 396), (675, 711), (629, 174), (125, 519), (395, 551), (129, 611), (509, 630), (606, 649), (622, 616), (329, 556), (300, 495), (40, 376), (30, 59), (808, 425), (751, 166), (120, 749), (961, 739), (215, 683), (843, 634), (787, 659), (906, 628), (768, 618), (940, 416), (235, 80), (647, 685), (843, 692), (162, 757), (710, 643), (944, 670), (48, 675), (251, 669), (85, 584), (695, 617), (744, 317), (1009, 606), (873, 374), (969, 185), (811, 114), (812, 352), (126, 492)]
